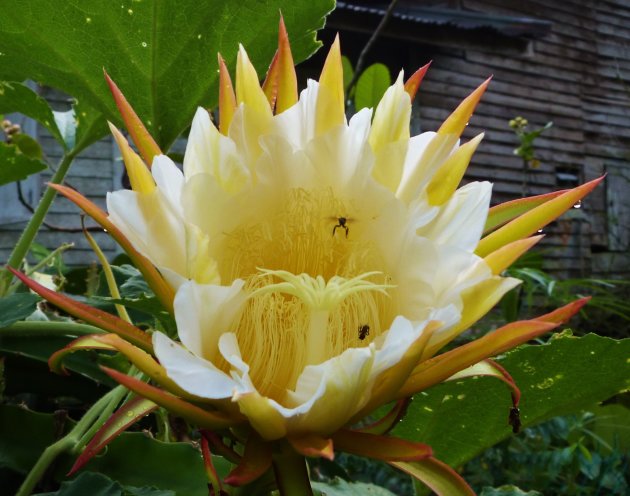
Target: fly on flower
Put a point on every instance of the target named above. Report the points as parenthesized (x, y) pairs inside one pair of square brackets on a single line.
[(271, 309)]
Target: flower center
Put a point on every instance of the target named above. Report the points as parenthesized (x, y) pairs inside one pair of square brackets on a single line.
[(318, 286)]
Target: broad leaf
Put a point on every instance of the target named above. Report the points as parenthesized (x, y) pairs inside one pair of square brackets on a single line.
[(98, 485), (176, 467), (17, 97), (371, 86), (16, 307), (339, 487), (161, 53), (15, 166), (459, 419)]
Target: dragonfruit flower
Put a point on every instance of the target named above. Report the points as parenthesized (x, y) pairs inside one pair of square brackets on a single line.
[(317, 263)]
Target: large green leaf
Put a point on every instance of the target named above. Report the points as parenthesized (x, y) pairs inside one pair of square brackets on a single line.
[(161, 53), (460, 419), (339, 487), (16, 307), (99, 485), (371, 86), (133, 459), (15, 166), (17, 97)]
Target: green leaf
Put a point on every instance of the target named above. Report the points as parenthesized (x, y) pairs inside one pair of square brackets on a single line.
[(460, 419), (507, 491), (88, 483), (348, 71), (15, 166), (339, 487), (17, 97), (27, 145), (91, 125), (16, 307), (371, 86), (133, 459), (161, 53), (98, 485)]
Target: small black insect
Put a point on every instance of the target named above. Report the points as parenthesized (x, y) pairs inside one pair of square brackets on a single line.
[(364, 331), (514, 419), (341, 225)]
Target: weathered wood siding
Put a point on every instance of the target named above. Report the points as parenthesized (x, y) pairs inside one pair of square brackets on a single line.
[(578, 76), (96, 171), (574, 77)]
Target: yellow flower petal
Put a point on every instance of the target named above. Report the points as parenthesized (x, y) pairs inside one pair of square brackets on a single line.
[(139, 176), (451, 172), (330, 110)]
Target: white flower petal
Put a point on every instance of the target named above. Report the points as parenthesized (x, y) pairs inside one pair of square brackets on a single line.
[(190, 372), (205, 312), (209, 152), (461, 220), (169, 180)]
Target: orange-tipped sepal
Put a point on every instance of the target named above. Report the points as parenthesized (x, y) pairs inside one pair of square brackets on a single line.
[(287, 95), (145, 143), (413, 83), (535, 219), (227, 98), (458, 120)]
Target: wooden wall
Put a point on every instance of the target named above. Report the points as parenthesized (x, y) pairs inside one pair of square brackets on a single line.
[(578, 76), (570, 77), (94, 172)]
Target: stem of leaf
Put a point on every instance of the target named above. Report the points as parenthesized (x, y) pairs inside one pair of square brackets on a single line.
[(67, 443), (30, 231), (48, 328), (291, 472)]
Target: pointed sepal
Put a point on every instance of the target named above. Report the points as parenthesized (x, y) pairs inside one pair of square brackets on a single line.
[(255, 462), (139, 176), (330, 111), (154, 279), (441, 367), (438, 476), (248, 90), (213, 477), (280, 85), (91, 315), (504, 212), (313, 446), (449, 175), (384, 448), (203, 418), (501, 259), (127, 415), (227, 98), (145, 143), (413, 83), (458, 120), (535, 219), (388, 421)]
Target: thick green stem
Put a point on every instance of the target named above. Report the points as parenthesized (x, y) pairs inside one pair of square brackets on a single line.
[(48, 328), (66, 443), (115, 399), (30, 231), (48, 456), (291, 472)]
